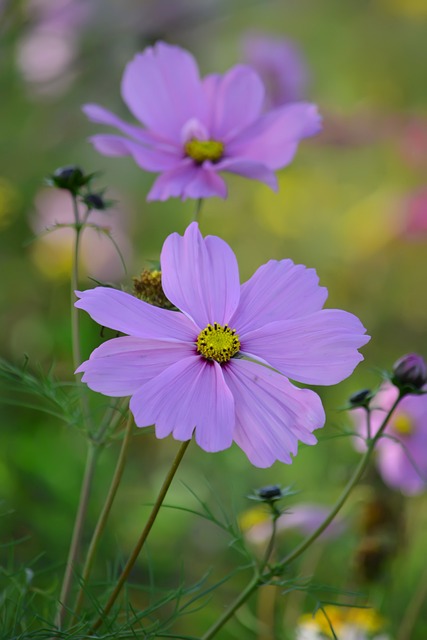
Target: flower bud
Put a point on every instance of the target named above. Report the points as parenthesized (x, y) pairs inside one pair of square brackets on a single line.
[(70, 178), (148, 287), (360, 399), (270, 492), (95, 201), (410, 372)]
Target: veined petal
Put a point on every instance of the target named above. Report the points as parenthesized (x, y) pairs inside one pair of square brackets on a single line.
[(200, 276), (98, 114), (279, 290), (273, 139), (119, 367), (162, 88), (149, 158), (190, 395), (249, 169), (122, 312), (272, 415), (320, 348), (236, 100)]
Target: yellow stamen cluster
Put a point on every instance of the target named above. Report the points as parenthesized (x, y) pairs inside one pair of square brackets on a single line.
[(201, 150), (218, 342), (403, 424)]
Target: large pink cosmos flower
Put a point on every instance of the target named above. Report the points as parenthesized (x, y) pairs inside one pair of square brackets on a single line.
[(219, 366), (402, 452), (195, 129)]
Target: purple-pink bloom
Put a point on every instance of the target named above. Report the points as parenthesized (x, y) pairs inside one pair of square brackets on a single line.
[(402, 452), (218, 368), (195, 128), (281, 66), (304, 518)]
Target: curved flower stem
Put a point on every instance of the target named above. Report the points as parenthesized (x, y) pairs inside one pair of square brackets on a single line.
[(144, 535), (91, 459), (92, 453), (258, 579), (102, 521), (75, 324), (198, 210)]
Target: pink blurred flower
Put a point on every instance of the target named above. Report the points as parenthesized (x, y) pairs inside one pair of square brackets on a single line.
[(304, 518), (415, 215), (189, 370), (401, 457), (281, 66), (196, 129), (53, 251), (47, 50)]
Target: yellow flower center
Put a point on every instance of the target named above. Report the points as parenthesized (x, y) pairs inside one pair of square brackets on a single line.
[(403, 424), (217, 342), (201, 150)]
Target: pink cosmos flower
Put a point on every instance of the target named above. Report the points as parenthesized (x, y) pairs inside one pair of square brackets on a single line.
[(219, 366), (304, 518), (401, 457), (281, 66), (195, 129)]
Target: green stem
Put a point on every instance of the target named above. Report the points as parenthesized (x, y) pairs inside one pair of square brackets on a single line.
[(77, 533), (258, 580), (75, 318), (102, 521), (144, 535), (92, 450), (198, 210)]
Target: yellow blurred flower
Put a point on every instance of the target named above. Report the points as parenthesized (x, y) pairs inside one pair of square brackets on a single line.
[(348, 623)]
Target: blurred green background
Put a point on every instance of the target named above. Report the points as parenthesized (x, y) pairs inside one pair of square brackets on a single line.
[(347, 206)]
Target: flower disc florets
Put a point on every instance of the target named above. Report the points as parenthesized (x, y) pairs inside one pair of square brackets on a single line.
[(217, 342), (201, 150)]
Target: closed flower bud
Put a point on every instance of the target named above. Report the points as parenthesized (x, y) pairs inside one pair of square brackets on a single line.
[(271, 492), (410, 371), (360, 399), (95, 201), (71, 178)]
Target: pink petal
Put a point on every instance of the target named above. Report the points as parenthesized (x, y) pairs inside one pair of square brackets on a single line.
[(401, 472), (200, 276), (119, 367), (320, 348), (150, 159), (236, 99), (271, 414), (188, 180), (98, 114), (190, 394), (248, 169), (125, 313), (273, 139), (279, 290), (162, 88)]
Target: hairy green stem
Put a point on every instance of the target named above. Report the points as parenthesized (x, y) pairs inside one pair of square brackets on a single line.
[(92, 450), (102, 521), (75, 322), (77, 533), (258, 580), (144, 535)]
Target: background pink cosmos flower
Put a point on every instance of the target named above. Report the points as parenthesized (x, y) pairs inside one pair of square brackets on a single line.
[(402, 457), (195, 129), (281, 66), (304, 518), (183, 369)]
